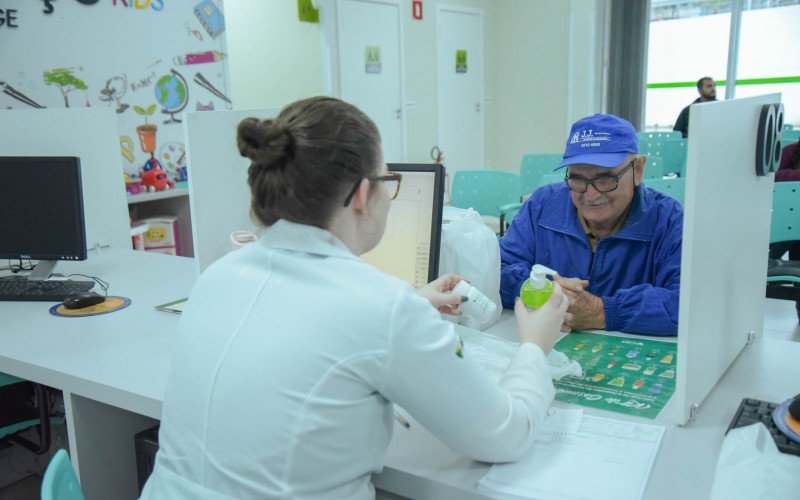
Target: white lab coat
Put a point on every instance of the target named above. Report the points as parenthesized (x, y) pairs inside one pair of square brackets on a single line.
[(290, 354)]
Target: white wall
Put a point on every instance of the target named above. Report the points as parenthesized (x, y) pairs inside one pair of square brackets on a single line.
[(275, 59)]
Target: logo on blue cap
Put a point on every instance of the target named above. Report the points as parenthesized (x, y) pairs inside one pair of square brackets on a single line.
[(600, 140)]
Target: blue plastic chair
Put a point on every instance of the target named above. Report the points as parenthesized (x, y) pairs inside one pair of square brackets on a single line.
[(788, 136), (485, 191), (533, 167), (671, 151), (675, 188), (552, 178), (783, 277), (18, 414), (654, 168), (60, 481), (671, 134)]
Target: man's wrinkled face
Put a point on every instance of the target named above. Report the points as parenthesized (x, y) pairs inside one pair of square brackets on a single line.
[(600, 208)]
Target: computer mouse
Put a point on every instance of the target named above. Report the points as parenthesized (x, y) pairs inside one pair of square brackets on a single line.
[(794, 408), (81, 300)]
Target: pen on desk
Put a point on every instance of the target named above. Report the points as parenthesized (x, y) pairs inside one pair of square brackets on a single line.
[(401, 420)]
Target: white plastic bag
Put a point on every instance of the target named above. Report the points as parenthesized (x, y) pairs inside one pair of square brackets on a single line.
[(470, 249), (751, 467)]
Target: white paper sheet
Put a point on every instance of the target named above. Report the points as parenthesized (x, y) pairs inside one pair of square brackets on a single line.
[(607, 459)]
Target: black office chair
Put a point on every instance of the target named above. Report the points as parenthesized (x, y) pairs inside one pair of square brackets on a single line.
[(24, 405)]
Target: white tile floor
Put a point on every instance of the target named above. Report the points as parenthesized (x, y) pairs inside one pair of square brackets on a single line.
[(780, 322)]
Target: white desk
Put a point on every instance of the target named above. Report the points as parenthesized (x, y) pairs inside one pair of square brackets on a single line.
[(113, 370), (419, 466)]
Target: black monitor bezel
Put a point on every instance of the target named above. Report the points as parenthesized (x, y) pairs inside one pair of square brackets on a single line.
[(72, 162), (438, 207)]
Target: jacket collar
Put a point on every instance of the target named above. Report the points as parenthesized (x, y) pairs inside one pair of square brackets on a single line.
[(296, 237), (561, 215)]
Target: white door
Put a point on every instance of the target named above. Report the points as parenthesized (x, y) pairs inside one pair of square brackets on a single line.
[(460, 87), (370, 66)]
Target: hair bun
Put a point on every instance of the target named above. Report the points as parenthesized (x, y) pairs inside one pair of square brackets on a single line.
[(267, 143)]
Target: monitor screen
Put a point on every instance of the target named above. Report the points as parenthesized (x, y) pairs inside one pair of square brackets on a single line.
[(410, 246), (41, 209)]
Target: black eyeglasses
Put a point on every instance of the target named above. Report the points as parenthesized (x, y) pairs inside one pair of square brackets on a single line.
[(603, 184), (392, 180)]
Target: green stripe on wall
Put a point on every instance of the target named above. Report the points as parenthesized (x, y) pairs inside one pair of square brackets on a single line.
[(721, 83)]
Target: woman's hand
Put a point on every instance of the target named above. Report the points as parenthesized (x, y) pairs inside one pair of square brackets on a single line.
[(438, 293), (543, 326)]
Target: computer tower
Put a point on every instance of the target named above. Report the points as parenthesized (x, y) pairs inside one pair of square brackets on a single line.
[(146, 449)]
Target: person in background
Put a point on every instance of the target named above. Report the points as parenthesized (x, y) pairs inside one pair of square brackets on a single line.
[(707, 89), (619, 241), (292, 351), (789, 170)]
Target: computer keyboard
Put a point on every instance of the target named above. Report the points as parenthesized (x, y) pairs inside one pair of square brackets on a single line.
[(50, 291), (754, 410)]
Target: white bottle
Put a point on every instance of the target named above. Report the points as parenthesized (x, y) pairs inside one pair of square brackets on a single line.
[(478, 306)]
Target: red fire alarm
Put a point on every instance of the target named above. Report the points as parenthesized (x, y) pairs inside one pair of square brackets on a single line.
[(416, 9)]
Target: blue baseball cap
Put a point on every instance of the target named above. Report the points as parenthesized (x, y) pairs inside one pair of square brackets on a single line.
[(601, 140)]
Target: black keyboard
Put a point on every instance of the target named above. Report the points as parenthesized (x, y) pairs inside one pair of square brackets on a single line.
[(754, 410), (49, 291)]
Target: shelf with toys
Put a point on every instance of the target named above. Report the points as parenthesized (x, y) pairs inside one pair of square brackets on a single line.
[(159, 198), (180, 189)]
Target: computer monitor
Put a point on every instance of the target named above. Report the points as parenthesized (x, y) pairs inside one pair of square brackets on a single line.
[(41, 211), (410, 245)]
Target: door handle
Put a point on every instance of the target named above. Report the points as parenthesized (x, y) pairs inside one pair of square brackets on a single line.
[(398, 113)]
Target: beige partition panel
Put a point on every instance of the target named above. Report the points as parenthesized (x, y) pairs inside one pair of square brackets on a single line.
[(91, 135), (218, 192)]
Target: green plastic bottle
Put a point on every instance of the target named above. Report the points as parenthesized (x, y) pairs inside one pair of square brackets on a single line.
[(537, 289)]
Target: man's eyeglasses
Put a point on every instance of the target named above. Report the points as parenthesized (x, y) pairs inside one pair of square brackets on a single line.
[(392, 184), (602, 184)]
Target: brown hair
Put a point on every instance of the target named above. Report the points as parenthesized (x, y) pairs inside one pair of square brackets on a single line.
[(305, 161)]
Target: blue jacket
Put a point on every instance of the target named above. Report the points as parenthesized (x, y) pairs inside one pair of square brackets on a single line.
[(636, 271)]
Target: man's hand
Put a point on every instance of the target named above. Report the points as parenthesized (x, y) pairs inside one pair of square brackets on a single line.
[(586, 311)]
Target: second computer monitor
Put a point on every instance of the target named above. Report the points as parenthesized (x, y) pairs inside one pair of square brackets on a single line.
[(41, 211), (410, 245)]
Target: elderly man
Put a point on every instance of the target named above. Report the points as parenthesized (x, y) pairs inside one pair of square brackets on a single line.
[(615, 243)]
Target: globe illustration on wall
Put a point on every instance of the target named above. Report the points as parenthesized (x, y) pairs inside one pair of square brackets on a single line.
[(172, 93)]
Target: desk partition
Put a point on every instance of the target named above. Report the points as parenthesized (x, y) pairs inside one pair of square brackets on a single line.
[(219, 196), (725, 240)]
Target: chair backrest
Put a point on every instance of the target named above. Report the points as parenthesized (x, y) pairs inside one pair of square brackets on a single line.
[(484, 190), (789, 136), (671, 151), (60, 481), (533, 167), (675, 188), (654, 168), (551, 178), (672, 134), (785, 212)]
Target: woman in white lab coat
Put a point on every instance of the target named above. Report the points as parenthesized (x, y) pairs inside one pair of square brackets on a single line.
[(292, 350)]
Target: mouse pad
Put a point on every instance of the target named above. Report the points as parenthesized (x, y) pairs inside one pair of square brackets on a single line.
[(111, 304)]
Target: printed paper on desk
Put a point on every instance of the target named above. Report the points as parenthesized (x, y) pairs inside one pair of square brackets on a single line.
[(613, 459), (561, 422)]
